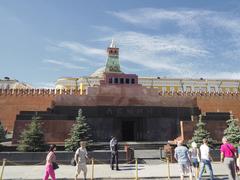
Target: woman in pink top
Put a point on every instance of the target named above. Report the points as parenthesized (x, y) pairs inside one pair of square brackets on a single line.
[(51, 157), (228, 152)]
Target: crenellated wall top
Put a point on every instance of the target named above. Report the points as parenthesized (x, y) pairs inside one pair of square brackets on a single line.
[(200, 93), (39, 92)]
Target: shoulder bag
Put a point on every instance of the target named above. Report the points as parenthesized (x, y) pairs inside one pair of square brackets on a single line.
[(55, 165)]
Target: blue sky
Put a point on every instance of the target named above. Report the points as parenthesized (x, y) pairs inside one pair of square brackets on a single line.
[(42, 40)]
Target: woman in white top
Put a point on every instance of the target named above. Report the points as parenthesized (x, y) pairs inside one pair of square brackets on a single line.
[(50, 159), (194, 155)]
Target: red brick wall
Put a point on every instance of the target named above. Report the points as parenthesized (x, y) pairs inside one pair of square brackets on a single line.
[(224, 103), (55, 131), (220, 103), (216, 129), (11, 105)]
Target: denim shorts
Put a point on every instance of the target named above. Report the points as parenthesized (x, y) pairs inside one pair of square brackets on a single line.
[(195, 163)]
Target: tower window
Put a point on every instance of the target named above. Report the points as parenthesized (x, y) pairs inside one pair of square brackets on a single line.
[(116, 80), (133, 81), (110, 80), (127, 81), (121, 81)]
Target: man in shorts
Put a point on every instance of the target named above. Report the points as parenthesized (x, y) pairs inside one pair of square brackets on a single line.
[(80, 157), (181, 154)]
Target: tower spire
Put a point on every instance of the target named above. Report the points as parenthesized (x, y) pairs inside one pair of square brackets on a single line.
[(113, 44)]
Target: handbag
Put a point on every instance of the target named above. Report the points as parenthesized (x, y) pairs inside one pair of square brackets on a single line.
[(55, 165), (73, 162)]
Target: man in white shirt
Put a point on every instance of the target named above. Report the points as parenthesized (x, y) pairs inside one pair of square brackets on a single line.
[(205, 159), (80, 157)]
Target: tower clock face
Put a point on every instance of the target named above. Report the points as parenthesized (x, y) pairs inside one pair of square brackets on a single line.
[(114, 68), (111, 68)]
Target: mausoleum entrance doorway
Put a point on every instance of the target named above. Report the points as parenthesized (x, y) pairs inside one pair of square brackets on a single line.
[(128, 130), (132, 129)]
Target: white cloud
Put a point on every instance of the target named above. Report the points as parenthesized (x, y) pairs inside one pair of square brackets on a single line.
[(82, 49), (131, 69), (232, 54), (199, 42), (63, 64), (222, 75), (167, 44), (78, 55), (188, 20), (228, 23), (158, 52), (191, 50), (87, 61), (183, 17), (154, 63), (45, 85), (106, 29), (150, 16)]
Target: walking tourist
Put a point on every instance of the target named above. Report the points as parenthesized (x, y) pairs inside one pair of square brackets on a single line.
[(205, 159), (194, 155), (238, 159), (80, 157), (181, 154), (114, 152), (5, 131), (50, 163), (228, 152)]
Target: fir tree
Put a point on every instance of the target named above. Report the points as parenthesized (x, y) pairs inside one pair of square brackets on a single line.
[(32, 138), (200, 133), (80, 132), (232, 132), (2, 133)]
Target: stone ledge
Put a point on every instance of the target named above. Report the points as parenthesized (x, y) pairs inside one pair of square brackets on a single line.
[(63, 157)]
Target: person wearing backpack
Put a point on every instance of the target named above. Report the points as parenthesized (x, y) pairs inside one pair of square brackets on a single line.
[(81, 157), (228, 154)]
